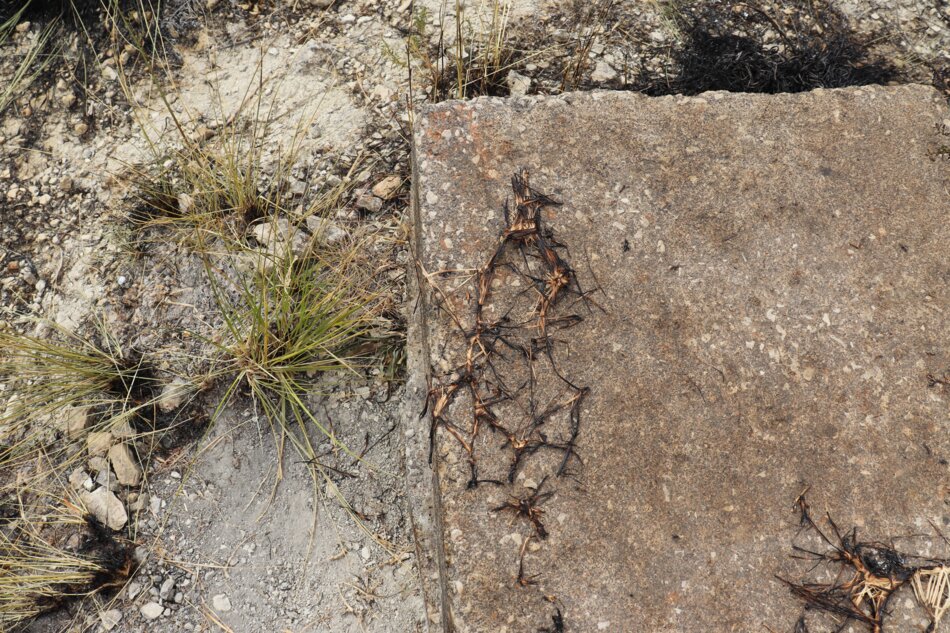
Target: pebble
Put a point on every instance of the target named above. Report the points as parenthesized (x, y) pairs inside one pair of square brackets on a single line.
[(77, 478), (151, 610), (221, 602), (518, 84), (167, 588), (603, 72), (387, 187), (127, 470), (369, 203), (173, 394), (98, 443), (110, 619), (106, 507)]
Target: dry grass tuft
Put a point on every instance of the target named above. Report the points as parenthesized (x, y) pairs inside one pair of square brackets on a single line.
[(50, 378), (50, 559)]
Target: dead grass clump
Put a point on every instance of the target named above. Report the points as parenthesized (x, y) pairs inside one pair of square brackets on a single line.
[(750, 47)]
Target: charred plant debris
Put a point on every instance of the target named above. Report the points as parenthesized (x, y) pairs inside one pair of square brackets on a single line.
[(868, 575), (498, 342), (529, 508), (519, 301), (557, 624)]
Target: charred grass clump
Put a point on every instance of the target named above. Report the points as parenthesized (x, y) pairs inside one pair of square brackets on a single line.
[(67, 36), (37, 56), (210, 187), (868, 575), (206, 186), (750, 47), (51, 559)]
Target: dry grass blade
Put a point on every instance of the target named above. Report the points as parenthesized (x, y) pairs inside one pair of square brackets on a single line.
[(38, 56), (39, 574), (48, 378), (932, 589)]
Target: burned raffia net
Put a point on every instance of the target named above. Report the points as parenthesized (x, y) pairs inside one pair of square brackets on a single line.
[(507, 403)]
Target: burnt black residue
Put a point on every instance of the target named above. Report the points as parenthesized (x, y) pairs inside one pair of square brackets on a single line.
[(138, 387), (43, 10), (752, 48), (113, 557)]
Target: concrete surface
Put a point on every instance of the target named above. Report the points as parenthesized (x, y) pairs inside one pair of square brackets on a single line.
[(773, 276)]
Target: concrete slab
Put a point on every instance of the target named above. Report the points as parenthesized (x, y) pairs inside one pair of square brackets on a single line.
[(767, 293)]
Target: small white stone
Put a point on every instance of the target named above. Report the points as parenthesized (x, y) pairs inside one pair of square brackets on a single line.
[(110, 619), (174, 394), (106, 507), (221, 602), (518, 84), (151, 610), (603, 72)]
